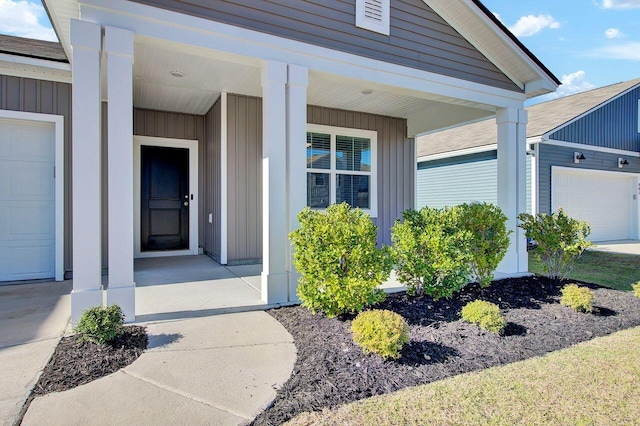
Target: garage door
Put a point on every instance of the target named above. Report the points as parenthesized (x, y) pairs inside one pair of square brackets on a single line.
[(27, 200), (605, 201)]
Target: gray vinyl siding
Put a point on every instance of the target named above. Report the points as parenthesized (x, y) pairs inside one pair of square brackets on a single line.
[(212, 198), (244, 179), (396, 167), (45, 97), (419, 38), (162, 124), (463, 179), (551, 155), (613, 125)]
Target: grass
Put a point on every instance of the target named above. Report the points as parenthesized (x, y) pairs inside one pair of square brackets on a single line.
[(613, 270), (593, 383)]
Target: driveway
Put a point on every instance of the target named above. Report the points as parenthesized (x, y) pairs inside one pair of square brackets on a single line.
[(623, 246)]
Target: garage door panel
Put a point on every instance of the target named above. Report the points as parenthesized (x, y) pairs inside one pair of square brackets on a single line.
[(27, 261)]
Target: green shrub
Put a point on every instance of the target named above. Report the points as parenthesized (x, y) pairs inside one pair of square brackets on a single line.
[(484, 314), (380, 331), (340, 264), (561, 240), (578, 298), (100, 324), (636, 289), (489, 242), (431, 252)]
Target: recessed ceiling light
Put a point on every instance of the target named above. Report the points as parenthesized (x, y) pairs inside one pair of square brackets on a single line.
[(367, 91), (178, 74)]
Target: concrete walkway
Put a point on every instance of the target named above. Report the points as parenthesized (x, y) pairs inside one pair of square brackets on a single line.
[(33, 317), (623, 247)]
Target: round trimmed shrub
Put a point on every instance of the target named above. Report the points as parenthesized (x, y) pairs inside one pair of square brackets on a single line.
[(100, 325), (576, 297), (485, 315), (380, 331)]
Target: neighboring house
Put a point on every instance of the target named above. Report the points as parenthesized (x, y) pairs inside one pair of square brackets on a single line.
[(583, 157), (190, 119)]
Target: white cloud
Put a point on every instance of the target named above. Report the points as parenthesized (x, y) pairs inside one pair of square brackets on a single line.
[(621, 4), (21, 18), (530, 25), (627, 51), (571, 84), (613, 33)]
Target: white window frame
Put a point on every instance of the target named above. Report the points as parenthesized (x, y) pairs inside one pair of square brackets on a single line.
[(372, 135), (381, 26)]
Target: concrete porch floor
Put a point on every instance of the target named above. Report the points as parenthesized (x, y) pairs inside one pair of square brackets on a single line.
[(188, 286)]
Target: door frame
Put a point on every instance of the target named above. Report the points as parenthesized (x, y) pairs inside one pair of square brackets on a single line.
[(192, 146), (58, 126)]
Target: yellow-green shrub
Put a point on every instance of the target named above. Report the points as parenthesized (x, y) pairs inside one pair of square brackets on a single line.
[(484, 314), (99, 324), (380, 331), (636, 289), (578, 298)]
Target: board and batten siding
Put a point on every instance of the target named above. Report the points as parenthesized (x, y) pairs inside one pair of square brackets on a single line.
[(613, 125), (463, 179), (45, 97), (551, 155), (419, 38), (212, 197)]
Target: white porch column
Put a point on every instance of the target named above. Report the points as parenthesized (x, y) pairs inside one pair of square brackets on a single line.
[(118, 44), (512, 154), (86, 40), (298, 80), (274, 183)]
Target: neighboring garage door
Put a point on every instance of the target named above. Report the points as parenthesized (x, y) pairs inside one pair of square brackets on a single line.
[(603, 200), (27, 200)]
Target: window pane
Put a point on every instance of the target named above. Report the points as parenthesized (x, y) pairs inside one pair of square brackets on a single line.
[(354, 190), (318, 190), (353, 153), (318, 151)]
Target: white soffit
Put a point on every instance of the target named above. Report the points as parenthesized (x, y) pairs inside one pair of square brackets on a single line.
[(61, 12)]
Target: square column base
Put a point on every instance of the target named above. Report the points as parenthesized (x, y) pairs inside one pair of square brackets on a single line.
[(274, 288), (83, 300), (514, 263), (125, 297), (294, 276)]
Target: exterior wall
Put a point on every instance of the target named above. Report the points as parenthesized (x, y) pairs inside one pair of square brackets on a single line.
[(396, 167), (211, 200), (174, 125), (419, 38), (45, 97), (614, 125), (464, 179), (244, 179), (551, 155)]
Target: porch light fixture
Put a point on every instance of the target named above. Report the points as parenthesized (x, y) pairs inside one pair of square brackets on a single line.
[(367, 91), (177, 74), (577, 156), (622, 162)]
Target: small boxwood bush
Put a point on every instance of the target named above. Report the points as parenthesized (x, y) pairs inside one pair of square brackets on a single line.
[(484, 314), (576, 297), (380, 331), (99, 324), (636, 289), (431, 252), (339, 260)]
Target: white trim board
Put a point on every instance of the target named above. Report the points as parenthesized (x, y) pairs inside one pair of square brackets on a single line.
[(192, 146), (224, 231), (58, 123), (581, 147)]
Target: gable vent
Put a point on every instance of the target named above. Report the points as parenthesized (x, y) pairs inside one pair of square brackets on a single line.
[(373, 15)]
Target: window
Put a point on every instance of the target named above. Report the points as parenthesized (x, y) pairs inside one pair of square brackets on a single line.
[(373, 15), (341, 166)]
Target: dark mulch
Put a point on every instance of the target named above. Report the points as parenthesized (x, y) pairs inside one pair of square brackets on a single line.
[(76, 362), (331, 370)]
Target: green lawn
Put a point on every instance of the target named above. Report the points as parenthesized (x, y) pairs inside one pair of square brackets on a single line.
[(612, 270), (593, 383)]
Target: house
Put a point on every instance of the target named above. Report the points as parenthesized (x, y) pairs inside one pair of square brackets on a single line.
[(583, 155), (189, 119)]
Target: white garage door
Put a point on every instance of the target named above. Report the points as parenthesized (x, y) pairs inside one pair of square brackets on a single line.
[(603, 200), (27, 200)]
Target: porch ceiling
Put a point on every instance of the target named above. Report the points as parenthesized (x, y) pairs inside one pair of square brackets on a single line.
[(207, 74)]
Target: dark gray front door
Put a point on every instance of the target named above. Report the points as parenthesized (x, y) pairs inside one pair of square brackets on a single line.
[(164, 212)]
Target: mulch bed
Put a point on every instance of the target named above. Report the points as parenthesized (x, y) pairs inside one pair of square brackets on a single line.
[(76, 362), (331, 370)]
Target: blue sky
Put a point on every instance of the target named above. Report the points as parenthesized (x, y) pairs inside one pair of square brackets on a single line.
[(585, 43)]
